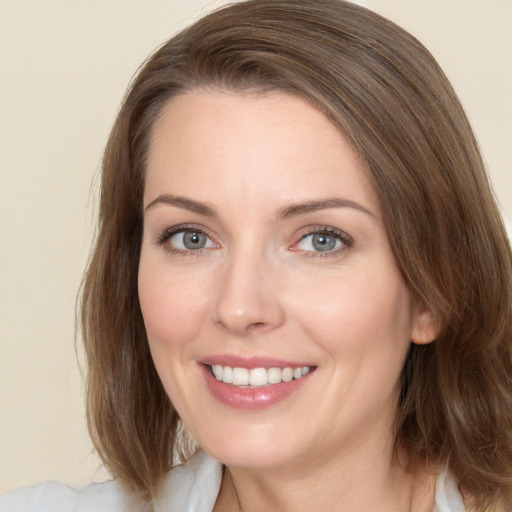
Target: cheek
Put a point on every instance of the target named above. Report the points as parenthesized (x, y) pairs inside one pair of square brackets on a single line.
[(172, 307), (356, 313), (363, 326), (171, 304)]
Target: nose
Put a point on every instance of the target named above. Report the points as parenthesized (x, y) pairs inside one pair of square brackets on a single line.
[(247, 300)]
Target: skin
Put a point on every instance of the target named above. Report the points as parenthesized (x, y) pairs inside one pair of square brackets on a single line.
[(260, 288)]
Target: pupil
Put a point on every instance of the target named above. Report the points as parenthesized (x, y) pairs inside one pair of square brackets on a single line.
[(193, 240), (323, 242)]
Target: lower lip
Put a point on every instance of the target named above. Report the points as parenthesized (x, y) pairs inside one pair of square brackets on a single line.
[(251, 398)]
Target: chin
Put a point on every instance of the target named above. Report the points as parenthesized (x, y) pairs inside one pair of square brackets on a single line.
[(251, 452)]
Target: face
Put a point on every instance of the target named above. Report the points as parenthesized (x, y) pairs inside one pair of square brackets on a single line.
[(277, 318)]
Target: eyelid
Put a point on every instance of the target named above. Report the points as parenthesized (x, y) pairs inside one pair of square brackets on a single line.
[(165, 235), (346, 240)]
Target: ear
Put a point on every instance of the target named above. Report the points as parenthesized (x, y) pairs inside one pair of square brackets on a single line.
[(425, 328)]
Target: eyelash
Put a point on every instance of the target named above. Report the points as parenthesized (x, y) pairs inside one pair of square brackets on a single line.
[(168, 233), (346, 240)]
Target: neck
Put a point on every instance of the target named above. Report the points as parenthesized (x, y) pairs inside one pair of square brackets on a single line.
[(349, 484)]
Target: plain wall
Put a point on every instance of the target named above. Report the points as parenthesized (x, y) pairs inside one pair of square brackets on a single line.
[(64, 66)]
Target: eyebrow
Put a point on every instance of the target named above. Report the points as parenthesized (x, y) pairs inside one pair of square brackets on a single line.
[(312, 206), (287, 212), (183, 202)]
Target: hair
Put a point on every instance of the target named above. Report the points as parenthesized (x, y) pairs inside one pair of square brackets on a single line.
[(388, 96)]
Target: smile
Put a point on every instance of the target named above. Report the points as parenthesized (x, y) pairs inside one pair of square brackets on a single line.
[(257, 377), (253, 383)]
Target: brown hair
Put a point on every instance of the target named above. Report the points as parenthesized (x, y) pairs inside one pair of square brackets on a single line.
[(387, 94)]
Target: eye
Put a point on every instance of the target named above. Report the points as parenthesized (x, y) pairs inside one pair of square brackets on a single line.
[(189, 240), (182, 239), (323, 240), (320, 242)]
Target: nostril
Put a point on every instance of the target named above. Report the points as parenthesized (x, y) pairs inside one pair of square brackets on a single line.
[(257, 326), (241, 310)]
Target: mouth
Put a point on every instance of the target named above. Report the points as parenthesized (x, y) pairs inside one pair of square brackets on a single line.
[(255, 378), (254, 383)]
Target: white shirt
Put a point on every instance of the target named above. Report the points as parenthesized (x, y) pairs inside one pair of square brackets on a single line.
[(192, 487)]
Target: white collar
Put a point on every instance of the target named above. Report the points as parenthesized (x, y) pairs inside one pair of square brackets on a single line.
[(194, 486)]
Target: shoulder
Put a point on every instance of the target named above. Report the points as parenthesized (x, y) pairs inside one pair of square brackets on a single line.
[(191, 486), (448, 497), (55, 497)]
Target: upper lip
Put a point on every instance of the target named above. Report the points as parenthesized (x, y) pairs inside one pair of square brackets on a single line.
[(251, 362)]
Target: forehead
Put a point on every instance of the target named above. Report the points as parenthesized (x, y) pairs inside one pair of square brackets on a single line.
[(271, 144)]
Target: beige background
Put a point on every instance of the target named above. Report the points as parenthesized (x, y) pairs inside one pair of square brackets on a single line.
[(64, 65)]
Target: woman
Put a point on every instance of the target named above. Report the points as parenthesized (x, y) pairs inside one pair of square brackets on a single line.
[(300, 265)]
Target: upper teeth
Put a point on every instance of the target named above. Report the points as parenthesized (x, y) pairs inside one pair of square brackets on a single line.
[(257, 376)]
